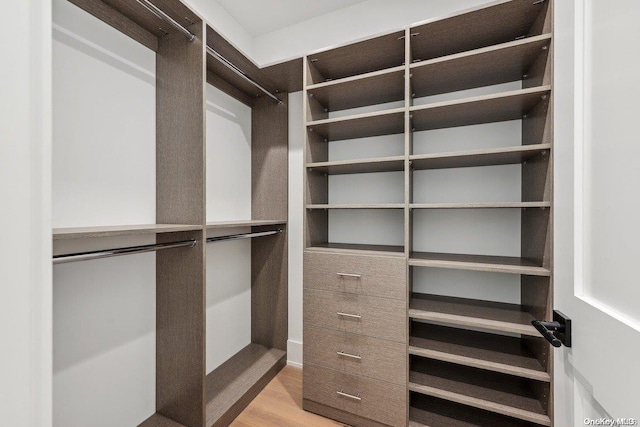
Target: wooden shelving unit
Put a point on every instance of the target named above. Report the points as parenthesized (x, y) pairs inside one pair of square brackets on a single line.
[(215, 225), (119, 230), (459, 376)]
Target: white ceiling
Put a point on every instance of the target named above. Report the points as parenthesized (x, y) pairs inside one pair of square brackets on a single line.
[(260, 17)]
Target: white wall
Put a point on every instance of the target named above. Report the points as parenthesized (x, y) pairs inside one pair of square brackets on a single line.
[(25, 248)]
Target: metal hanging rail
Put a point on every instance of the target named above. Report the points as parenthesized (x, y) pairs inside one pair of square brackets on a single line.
[(108, 253), (160, 14), (240, 73), (244, 236)]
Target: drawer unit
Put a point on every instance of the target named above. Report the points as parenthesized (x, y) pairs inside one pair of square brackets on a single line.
[(376, 400), (383, 276), (356, 354), (357, 314)]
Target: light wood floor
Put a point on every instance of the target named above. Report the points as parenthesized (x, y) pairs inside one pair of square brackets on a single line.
[(280, 405)]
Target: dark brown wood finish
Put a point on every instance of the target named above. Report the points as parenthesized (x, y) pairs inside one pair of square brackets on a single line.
[(180, 196), (481, 109), (483, 26), (157, 420), (234, 384), (362, 57)]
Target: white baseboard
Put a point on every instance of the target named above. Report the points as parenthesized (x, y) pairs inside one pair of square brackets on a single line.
[(294, 353)]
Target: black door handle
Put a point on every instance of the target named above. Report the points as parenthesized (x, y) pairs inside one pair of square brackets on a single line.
[(557, 332)]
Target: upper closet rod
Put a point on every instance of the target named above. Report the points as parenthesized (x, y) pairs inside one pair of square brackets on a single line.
[(160, 14), (240, 73), (107, 253), (244, 236)]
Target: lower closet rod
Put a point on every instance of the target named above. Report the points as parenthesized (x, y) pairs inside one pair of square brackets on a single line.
[(107, 253), (244, 236)]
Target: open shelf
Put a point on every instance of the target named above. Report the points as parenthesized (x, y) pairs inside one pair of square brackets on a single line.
[(486, 205), (488, 66), (387, 122), (157, 420), (499, 393), (357, 248), (484, 157), (374, 54), (240, 379), (357, 206), (346, 167), (243, 223), (427, 411), (495, 264), (378, 87), (119, 230), (483, 26), (512, 105), (489, 315), (497, 353)]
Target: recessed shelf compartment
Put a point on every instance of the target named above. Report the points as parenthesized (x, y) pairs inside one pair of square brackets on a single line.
[(357, 248), (499, 107), (488, 66), (503, 394), (387, 122), (214, 225), (483, 205), (357, 206), (427, 411), (484, 26), (346, 167), (484, 157), (119, 230), (492, 352), (378, 87), (240, 379), (497, 264), (489, 315), (374, 54)]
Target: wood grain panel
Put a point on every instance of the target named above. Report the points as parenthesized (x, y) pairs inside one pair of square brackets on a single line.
[(484, 26), (498, 353), (489, 315), (378, 87), (230, 89), (374, 54), (502, 394), (493, 65), (244, 223), (496, 264), (477, 110), (234, 384), (269, 159), (380, 318), (482, 205), (359, 126), (120, 22), (473, 158), (286, 76), (380, 401), (429, 411), (157, 420), (379, 359), (536, 236), (379, 276), (269, 290), (345, 167), (119, 230), (348, 418), (180, 278), (356, 248)]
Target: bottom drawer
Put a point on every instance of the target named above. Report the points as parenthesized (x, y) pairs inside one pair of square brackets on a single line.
[(376, 400)]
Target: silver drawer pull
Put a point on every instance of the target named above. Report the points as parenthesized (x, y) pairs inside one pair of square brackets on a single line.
[(353, 316), (353, 356), (355, 276), (348, 396)]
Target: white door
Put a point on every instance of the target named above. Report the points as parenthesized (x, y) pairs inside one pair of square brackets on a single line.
[(597, 202)]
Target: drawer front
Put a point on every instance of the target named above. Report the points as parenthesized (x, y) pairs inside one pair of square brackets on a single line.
[(356, 354), (361, 274), (376, 400), (357, 314)]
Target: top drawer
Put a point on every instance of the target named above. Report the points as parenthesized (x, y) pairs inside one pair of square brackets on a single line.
[(381, 276)]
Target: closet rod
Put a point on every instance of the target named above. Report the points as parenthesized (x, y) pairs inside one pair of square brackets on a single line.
[(244, 236), (240, 73), (160, 14), (107, 253)]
